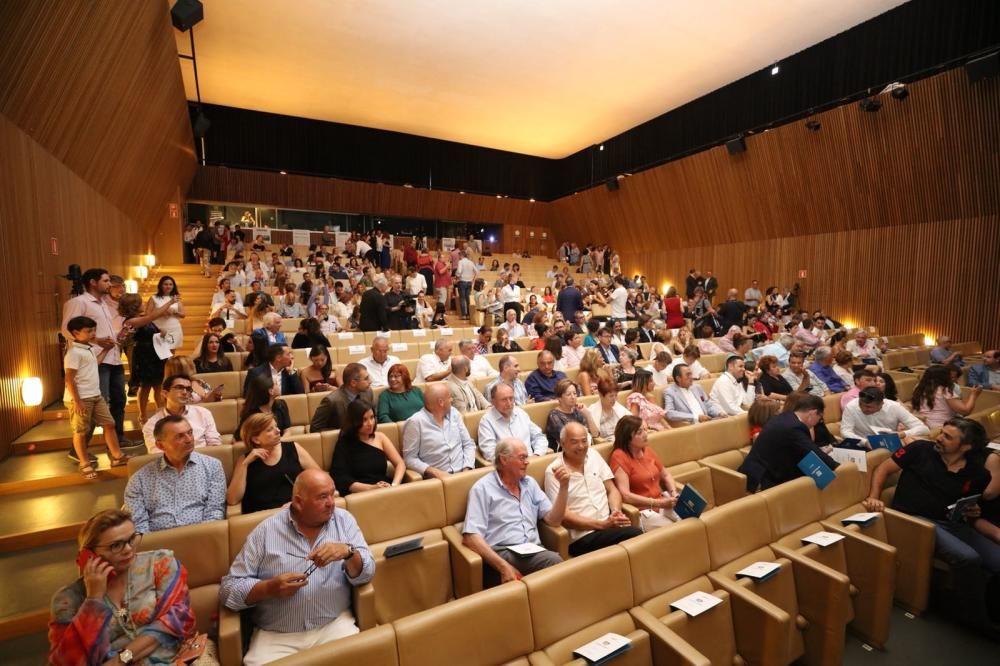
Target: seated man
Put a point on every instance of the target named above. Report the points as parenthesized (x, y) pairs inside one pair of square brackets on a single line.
[(229, 308), (479, 365), (690, 358), (436, 442), (290, 307), (822, 367), (865, 349), (464, 396), (510, 368), (503, 512), (944, 355), (505, 419), (659, 370), (593, 504), (784, 441), (177, 391), (872, 414), (728, 391), (541, 383), (779, 349), (804, 334), (862, 380), (296, 571), (182, 487), (435, 366), (331, 414), (987, 373), (801, 378), (279, 364), (609, 352), (379, 362), (272, 328), (687, 402), (934, 476), (328, 325)]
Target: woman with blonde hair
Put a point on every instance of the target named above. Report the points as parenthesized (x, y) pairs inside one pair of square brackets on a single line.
[(592, 370), (680, 342), (640, 405)]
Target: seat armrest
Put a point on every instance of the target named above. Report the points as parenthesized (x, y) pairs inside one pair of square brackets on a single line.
[(480, 460), (633, 515), (466, 565), (413, 475), (728, 484), (555, 538), (364, 606), (230, 639), (824, 594), (234, 510), (914, 539), (541, 659), (668, 647), (762, 628)]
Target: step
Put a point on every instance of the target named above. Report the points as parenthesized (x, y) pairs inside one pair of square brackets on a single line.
[(24, 649), (57, 435), (32, 575), (50, 471)]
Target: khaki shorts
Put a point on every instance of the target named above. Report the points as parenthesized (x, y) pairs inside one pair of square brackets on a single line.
[(93, 412)]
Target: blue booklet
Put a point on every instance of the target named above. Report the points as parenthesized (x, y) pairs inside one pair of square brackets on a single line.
[(813, 467), (886, 440), (690, 503), (850, 443)]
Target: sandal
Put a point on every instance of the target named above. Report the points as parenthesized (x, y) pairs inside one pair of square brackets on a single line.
[(120, 461), (88, 472)]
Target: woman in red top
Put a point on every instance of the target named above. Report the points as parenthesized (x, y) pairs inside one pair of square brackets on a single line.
[(641, 478), (442, 279), (673, 311)]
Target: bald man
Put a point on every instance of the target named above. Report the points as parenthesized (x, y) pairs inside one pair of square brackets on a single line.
[(436, 442), (296, 570)]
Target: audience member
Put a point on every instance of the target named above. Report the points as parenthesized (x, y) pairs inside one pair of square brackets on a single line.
[(568, 409), (987, 373), (263, 477), (734, 390), (689, 356), (479, 366), (505, 419), (331, 414), (641, 478), (759, 414), (401, 399), (262, 398), (319, 376), (465, 274), (640, 402), (933, 400), (779, 349), (503, 344), (822, 368), (862, 380), (872, 413), (279, 365), (573, 350), (177, 389), (541, 383), (272, 328), (362, 454), (374, 309), (298, 607), (569, 301), (685, 401), (865, 349), (608, 351), (436, 442), (435, 366), (510, 368), (772, 384), (661, 361), (752, 296), (732, 312), (464, 396), (379, 362), (802, 379), (943, 354), (211, 358)]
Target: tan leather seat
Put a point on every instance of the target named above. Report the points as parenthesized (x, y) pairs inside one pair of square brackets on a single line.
[(313, 400), (868, 564), (329, 441), (699, 478), (414, 581), (232, 386), (721, 435), (554, 591), (491, 627), (727, 483), (759, 629), (466, 566), (298, 408), (831, 408), (374, 646), (225, 414), (539, 412), (409, 350), (223, 453)]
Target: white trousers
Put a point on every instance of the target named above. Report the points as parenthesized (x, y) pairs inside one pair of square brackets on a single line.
[(267, 646)]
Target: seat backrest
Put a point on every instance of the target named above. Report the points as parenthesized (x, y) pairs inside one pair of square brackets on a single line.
[(537, 466), (472, 420), (413, 507), (223, 453), (674, 446), (737, 528), (353, 353), (298, 408), (479, 620), (313, 444), (904, 386), (372, 646), (539, 412), (405, 350), (846, 490), (241, 526), (313, 401), (792, 505), (721, 435), (456, 492), (329, 442), (649, 557), (232, 385), (698, 477), (727, 459), (831, 408), (225, 414), (714, 363)]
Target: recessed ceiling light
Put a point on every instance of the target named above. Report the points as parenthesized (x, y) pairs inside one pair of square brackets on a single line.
[(499, 197), (408, 185), (531, 200), (283, 173), (461, 192), (601, 147), (775, 70)]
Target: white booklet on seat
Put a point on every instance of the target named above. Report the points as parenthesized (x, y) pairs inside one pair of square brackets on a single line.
[(823, 539), (603, 649), (525, 548), (993, 446), (864, 518), (759, 571), (850, 456), (696, 603)]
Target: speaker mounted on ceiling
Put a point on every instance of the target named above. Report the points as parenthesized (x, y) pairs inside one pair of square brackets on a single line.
[(736, 146), (612, 184), (186, 14)]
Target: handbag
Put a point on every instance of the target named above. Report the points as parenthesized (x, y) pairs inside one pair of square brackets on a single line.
[(197, 649)]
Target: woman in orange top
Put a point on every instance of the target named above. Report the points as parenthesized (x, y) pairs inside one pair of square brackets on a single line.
[(641, 478)]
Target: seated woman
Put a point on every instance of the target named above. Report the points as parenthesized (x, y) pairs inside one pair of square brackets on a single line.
[(212, 359), (309, 335), (625, 370), (726, 341), (592, 369), (632, 342), (423, 312), (682, 340), (362, 453), (640, 405), (319, 375), (607, 411), (262, 398), (843, 365), (257, 350), (760, 412), (547, 295), (640, 477), (124, 604), (933, 400), (263, 478), (770, 382), (742, 347), (502, 344), (401, 399), (885, 381), (567, 409)]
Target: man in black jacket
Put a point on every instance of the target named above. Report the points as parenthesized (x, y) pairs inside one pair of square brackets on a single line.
[(374, 308), (732, 312), (570, 300)]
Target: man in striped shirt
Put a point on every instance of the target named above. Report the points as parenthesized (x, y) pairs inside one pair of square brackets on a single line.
[(296, 571)]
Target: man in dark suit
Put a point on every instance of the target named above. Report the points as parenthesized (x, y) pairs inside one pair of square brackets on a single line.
[(646, 331), (711, 286), (692, 282), (332, 411), (604, 347), (732, 312), (374, 307), (570, 300), (784, 441), (279, 366)]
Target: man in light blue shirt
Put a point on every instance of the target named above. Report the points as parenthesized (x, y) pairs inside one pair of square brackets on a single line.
[(436, 442), (779, 349), (181, 488), (510, 368), (505, 419), (296, 571), (501, 521)]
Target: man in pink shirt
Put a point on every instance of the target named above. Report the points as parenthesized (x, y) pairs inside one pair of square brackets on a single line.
[(862, 380)]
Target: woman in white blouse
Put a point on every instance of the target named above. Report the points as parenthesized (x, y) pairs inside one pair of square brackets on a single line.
[(169, 323)]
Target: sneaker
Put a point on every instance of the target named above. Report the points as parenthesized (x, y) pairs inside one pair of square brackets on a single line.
[(131, 444), (93, 459), (133, 392)]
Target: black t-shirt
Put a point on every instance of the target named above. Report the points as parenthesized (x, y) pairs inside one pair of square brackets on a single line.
[(926, 488)]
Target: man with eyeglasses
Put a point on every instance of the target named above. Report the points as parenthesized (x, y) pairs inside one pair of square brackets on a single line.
[(183, 487), (501, 522), (177, 391)]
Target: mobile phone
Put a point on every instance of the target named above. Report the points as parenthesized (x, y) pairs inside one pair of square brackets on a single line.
[(85, 556), (218, 389)]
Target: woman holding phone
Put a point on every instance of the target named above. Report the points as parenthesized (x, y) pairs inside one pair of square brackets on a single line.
[(126, 606)]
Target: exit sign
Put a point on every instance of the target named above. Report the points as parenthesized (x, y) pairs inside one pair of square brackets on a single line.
[(803, 273)]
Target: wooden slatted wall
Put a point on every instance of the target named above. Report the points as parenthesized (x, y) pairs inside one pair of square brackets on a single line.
[(96, 143)]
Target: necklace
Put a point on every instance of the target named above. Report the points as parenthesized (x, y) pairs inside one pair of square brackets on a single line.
[(121, 614)]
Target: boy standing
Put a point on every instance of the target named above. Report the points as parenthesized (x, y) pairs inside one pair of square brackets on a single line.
[(87, 407)]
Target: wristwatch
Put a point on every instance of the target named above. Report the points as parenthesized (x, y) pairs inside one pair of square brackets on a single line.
[(350, 551), (125, 656)]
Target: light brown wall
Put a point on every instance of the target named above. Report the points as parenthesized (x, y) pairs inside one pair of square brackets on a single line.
[(96, 142), (894, 214)]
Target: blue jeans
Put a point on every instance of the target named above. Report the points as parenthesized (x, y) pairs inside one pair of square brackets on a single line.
[(112, 379), (974, 560), (464, 289)]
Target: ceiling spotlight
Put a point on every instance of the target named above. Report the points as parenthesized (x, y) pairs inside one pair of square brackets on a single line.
[(870, 105), (775, 70), (813, 125), (283, 173), (900, 92), (408, 186), (499, 197), (532, 200), (601, 147)]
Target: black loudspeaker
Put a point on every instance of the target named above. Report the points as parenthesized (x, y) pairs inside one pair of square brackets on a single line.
[(612, 184), (737, 145), (200, 125), (985, 67), (187, 13)]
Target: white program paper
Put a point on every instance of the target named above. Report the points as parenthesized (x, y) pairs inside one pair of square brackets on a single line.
[(399, 346), (823, 539), (345, 336), (696, 603), (993, 446), (862, 517), (759, 570), (446, 331), (600, 648), (850, 456), (419, 333), (525, 548)]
